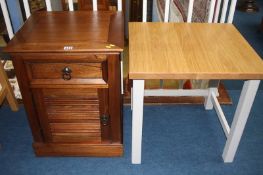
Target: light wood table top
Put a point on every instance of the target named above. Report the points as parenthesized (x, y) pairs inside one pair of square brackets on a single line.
[(190, 51)]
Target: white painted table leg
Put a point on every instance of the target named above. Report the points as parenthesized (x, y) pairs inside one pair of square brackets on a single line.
[(240, 118), (208, 100), (137, 120), (131, 97)]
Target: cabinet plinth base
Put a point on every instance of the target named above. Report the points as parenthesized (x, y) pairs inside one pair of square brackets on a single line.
[(96, 150)]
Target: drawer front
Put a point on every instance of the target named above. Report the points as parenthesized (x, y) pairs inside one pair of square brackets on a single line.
[(59, 69), (56, 70), (64, 73)]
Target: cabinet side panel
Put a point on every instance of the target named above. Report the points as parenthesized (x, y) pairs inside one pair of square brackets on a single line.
[(115, 98), (27, 99)]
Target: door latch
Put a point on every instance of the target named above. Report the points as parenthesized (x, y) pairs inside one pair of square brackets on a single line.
[(104, 119)]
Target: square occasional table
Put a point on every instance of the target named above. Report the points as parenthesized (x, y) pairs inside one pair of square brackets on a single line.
[(196, 51)]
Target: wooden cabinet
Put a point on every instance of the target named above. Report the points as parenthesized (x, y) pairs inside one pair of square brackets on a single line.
[(68, 69)]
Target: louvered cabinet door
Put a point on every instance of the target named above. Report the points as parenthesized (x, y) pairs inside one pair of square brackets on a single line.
[(73, 115)]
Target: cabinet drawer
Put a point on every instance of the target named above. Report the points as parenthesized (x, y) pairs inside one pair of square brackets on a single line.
[(55, 70), (65, 73)]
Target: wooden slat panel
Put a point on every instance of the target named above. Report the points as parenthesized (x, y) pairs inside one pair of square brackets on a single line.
[(73, 117), (76, 132), (92, 127), (71, 104), (73, 101), (70, 93), (64, 108), (76, 137)]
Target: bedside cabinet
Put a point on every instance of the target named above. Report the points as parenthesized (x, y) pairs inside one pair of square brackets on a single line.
[(68, 69)]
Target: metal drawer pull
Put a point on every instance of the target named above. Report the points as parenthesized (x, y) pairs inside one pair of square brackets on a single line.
[(66, 73)]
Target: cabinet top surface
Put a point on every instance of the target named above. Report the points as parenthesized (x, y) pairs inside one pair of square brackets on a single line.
[(80, 31), (190, 51)]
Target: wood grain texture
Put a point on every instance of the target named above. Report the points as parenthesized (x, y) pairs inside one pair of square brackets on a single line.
[(102, 150), (191, 51), (28, 101), (115, 98), (71, 105), (54, 70), (46, 69), (89, 137), (116, 32), (84, 31), (65, 113)]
